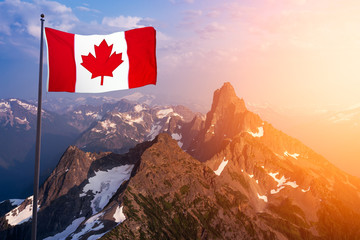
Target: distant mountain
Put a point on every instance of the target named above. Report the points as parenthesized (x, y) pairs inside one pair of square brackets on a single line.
[(84, 116), (236, 177), (17, 144), (122, 127), (64, 105), (84, 123)]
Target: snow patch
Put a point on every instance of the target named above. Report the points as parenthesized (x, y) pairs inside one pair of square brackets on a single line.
[(96, 237), (21, 121), (16, 202), (155, 130), (92, 224), (251, 175), (108, 124), (30, 108), (96, 130), (78, 112), (93, 115), (17, 216), (291, 184), (164, 112), (260, 132), (273, 191), (69, 230), (4, 105), (119, 215), (105, 184), (176, 136), (221, 167), (263, 197), (136, 120), (295, 155), (138, 108), (303, 190), (282, 182)]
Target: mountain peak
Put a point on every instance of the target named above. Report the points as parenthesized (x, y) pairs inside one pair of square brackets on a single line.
[(228, 117), (225, 104), (226, 96), (227, 87)]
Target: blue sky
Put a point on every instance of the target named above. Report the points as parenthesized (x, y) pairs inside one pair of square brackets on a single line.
[(285, 52)]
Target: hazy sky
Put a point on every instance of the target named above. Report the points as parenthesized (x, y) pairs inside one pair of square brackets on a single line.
[(284, 52)]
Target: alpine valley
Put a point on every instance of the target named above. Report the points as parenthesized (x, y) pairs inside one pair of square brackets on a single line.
[(137, 171)]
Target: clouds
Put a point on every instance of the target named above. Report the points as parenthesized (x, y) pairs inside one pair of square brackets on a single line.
[(17, 18), (193, 13), (123, 22), (86, 9), (20, 22), (210, 30), (23, 17)]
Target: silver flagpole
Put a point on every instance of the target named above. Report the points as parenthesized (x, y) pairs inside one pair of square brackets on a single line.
[(38, 137)]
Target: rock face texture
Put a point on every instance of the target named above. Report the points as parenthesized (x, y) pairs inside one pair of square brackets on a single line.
[(230, 176), (227, 118)]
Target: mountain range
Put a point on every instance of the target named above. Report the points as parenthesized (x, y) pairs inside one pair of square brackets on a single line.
[(87, 125), (230, 175)]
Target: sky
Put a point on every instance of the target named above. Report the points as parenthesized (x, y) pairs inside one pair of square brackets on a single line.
[(288, 53), (292, 54)]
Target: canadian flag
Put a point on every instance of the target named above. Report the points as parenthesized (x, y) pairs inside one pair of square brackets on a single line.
[(101, 63)]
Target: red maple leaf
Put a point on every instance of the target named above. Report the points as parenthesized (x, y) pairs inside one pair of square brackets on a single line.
[(104, 63)]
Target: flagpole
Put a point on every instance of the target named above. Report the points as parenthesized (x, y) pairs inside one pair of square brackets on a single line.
[(38, 137)]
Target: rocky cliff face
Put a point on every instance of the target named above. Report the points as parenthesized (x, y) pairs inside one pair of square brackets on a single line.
[(227, 118)]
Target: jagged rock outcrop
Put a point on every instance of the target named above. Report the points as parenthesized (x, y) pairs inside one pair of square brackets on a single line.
[(227, 118)]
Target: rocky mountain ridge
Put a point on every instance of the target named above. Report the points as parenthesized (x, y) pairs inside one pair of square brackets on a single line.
[(235, 175)]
